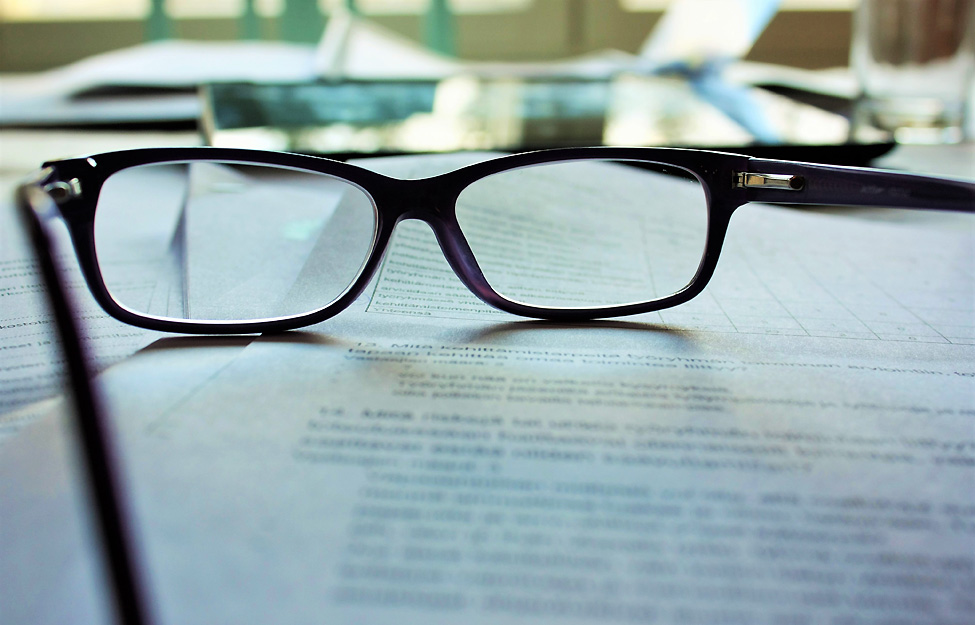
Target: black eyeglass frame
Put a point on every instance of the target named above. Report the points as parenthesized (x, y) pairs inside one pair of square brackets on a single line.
[(729, 181)]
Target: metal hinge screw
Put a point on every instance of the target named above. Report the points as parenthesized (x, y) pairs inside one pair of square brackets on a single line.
[(785, 182), (62, 190)]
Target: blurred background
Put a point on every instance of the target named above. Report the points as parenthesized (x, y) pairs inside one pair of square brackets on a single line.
[(42, 34)]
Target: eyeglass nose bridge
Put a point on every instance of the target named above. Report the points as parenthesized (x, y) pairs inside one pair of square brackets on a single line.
[(432, 202), (422, 199)]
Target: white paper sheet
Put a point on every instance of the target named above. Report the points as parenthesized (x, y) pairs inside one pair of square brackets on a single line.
[(491, 481), (29, 362), (795, 446), (139, 81)]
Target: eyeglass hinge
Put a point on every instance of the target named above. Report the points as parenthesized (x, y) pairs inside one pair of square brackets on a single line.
[(787, 182), (62, 190)]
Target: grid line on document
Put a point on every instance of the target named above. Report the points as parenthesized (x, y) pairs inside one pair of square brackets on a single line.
[(963, 273), (808, 294), (839, 302), (871, 325), (914, 314), (8, 319), (963, 310), (771, 292), (31, 335), (724, 312)]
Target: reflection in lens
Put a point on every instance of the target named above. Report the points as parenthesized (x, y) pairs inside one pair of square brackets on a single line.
[(224, 241), (580, 234)]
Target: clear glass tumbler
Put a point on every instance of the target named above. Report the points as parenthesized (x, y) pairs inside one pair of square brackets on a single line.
[(915, 62)]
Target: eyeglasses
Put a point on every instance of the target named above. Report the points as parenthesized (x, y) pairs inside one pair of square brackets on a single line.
[(215, 240)]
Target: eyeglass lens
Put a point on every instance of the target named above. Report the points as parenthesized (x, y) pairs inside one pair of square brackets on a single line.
[(581, 234), (223, 241), (233, 242)]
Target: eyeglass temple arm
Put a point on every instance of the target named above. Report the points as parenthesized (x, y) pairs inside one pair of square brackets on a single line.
[(97, 451), (788, 182)]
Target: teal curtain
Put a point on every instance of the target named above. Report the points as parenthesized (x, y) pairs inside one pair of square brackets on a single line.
[(302, 21), (438, 28), (157, 24)]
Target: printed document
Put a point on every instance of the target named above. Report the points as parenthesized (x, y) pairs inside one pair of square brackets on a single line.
[(796, 445)]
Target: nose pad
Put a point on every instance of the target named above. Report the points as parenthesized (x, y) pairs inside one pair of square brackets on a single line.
[(415, 247), (458, 254), (412, 245), (461, 259)]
